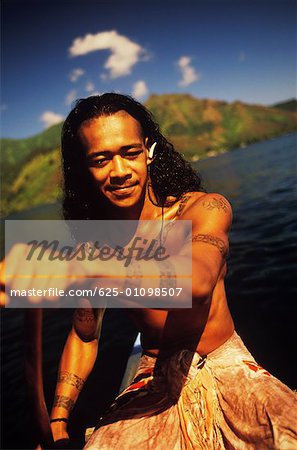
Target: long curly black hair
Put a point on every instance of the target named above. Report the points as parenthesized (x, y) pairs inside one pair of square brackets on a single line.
[(170, 174)]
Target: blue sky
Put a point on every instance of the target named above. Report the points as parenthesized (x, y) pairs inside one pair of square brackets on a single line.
[(56, 51)]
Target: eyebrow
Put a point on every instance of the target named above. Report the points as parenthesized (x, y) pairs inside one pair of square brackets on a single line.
[(107, 152)]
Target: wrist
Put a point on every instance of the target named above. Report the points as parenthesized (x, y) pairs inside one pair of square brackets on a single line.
[(59, 419)]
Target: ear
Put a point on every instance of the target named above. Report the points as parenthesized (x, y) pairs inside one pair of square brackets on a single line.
[(151, 153)]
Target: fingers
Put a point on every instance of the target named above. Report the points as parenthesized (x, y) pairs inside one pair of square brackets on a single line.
[(4, 298), (10, 272), (36, 279), (2, 273), (14, 261)]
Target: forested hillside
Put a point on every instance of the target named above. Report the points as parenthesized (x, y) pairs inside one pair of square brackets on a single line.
[(30, 169)]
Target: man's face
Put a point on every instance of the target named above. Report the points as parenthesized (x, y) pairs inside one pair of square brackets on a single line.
[(117, 157)]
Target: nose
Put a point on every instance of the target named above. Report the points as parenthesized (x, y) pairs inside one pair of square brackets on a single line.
[(120, 169)]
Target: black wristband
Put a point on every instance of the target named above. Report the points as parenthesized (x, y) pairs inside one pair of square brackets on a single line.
[(60, 419)]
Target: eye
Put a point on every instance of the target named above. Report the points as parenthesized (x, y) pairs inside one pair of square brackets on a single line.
[(133, 154), (99, 162)]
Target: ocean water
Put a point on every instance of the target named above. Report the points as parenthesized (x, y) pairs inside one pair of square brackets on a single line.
[(260, 182)]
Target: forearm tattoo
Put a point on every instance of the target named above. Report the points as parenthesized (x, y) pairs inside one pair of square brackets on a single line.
[(71, 378), (167, 274), (64, 402), (216, 203), (212, 240)]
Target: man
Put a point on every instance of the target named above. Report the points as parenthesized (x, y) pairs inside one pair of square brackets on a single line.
[(197, 386)]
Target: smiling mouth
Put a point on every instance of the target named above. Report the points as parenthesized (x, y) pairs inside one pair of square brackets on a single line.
[(122, 189)]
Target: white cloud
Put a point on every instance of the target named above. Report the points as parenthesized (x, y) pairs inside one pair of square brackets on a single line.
[(140, 89), (70, 97), (89, 87), (242, 56), (189, 74), (124, 52), (76, 74), (3, 107), (50, 118), (95, 93)]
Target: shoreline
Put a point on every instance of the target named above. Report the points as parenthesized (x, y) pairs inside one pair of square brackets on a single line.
[(214, 153), (55, 205)]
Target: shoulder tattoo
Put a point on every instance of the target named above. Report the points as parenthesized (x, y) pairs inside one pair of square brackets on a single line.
[(212, 240), (216, 203), (182, 204)]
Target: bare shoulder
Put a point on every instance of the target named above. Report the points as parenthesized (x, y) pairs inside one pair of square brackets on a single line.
[(187, 201), (208, 207), (214, 201), (208, 201)]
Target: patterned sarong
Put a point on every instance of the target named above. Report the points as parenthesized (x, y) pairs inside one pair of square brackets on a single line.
[(222, 401)]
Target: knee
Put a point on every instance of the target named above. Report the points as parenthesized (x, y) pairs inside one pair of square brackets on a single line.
[(85, 324)]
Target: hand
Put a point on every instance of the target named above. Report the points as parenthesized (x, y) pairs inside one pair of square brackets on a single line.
[(4, 298), (60, 434), (33, 274)]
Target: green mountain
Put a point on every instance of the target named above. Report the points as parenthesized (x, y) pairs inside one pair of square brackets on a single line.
[(30, 169), (289, 105), (203, 127), (16, 152)]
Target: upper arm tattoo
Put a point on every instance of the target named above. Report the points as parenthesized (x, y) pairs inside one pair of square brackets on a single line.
[(216, 203), (212, 240)]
